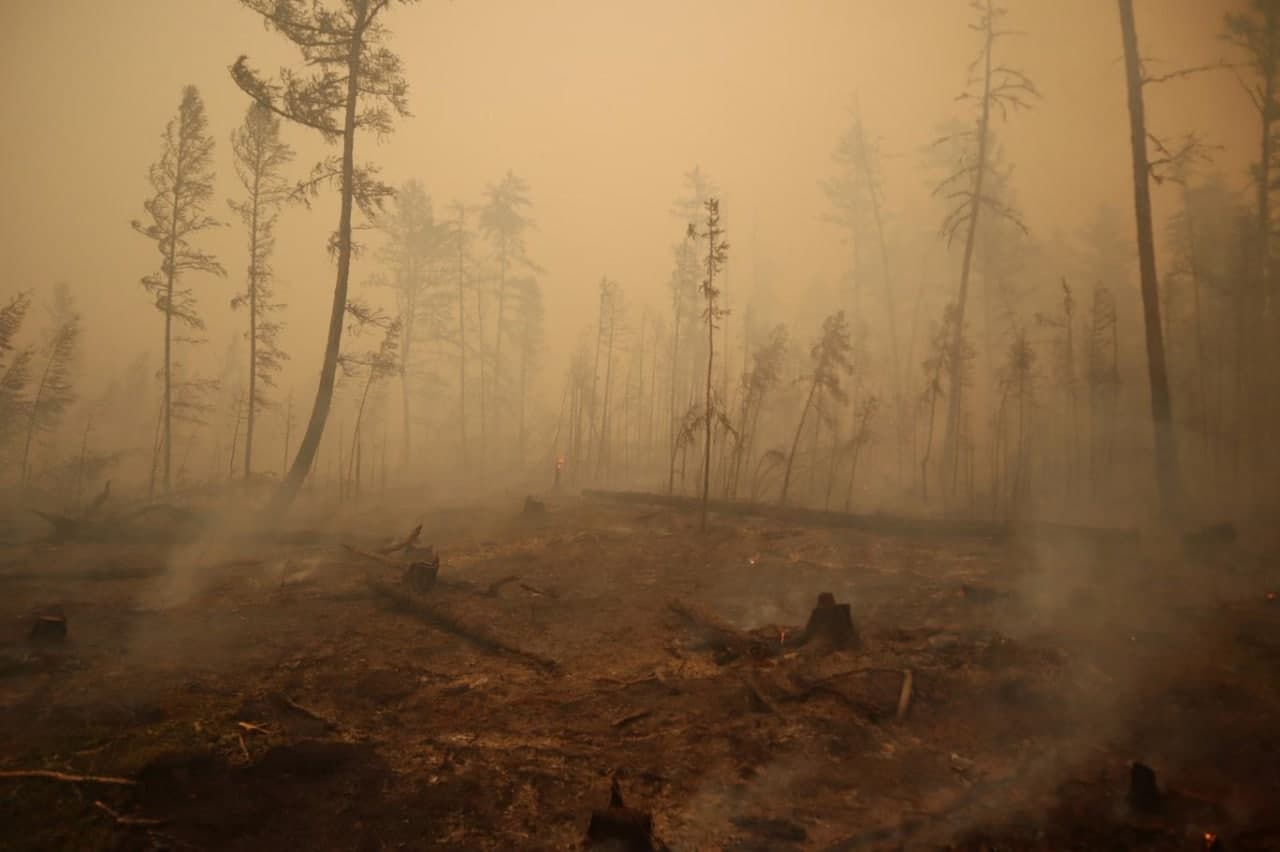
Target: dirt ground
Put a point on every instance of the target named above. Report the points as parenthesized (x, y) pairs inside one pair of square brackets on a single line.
[(298, 695)]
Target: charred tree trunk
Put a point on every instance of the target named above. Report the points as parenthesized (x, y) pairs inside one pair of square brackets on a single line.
[(950, 444), (1161, 406), (328, 371)]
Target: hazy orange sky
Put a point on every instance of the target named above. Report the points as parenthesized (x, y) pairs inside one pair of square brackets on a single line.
[(601, 106)]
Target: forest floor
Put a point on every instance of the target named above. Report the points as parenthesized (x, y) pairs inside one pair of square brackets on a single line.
[(298, 695)]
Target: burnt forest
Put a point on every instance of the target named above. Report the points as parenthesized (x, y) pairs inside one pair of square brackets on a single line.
[(744, 425)]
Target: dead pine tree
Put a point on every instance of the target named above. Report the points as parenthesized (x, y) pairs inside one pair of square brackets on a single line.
[(832, 359), (997, 89), (182, 180), (259, 155), (716, 257), (353, 83), (1167, 474)]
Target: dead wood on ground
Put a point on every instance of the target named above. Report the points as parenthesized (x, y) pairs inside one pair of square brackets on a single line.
[(414, 605), (720, 635), (20, 774)]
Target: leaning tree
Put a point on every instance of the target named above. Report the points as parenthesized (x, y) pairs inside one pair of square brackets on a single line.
[(996, 89), (353, 82)]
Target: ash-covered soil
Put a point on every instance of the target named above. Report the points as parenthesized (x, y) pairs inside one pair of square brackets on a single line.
[(298, 694)]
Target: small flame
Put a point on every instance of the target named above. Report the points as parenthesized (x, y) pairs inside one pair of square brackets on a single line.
[(753, 559), (782, 635), (1271, 596), (1210, 839)]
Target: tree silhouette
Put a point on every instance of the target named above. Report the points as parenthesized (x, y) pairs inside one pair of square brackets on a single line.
[(831, 355), (1167, 473), (259, 157), (504, 219), (182, 180), (716, 256), (997, 89), (353, 82)]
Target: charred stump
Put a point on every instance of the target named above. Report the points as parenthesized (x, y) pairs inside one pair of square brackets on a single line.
[(1144, 794), (619, 828), (830, 625), (421, 575)]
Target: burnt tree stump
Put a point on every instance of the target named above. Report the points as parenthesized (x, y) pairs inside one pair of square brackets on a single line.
[(831, 625), (619, 828), (421, 574), (1144, 795)]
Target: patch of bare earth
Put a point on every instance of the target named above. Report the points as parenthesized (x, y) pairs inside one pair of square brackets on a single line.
[(305, 696)]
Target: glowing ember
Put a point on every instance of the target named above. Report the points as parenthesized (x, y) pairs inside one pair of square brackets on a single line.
[(753, 559), (1271, 596), (1210, 840)]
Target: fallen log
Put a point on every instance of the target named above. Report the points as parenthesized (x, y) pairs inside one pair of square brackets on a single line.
[(51, 775), (65, 527), (904, 696), (287, 702), (721, 636), (415, 606)]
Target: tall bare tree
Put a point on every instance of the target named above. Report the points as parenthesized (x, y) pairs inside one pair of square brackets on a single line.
[(182, 180), (353, 82), (260, 155), (712, 313), (1167, 473), (996, 89), (504, 219)]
